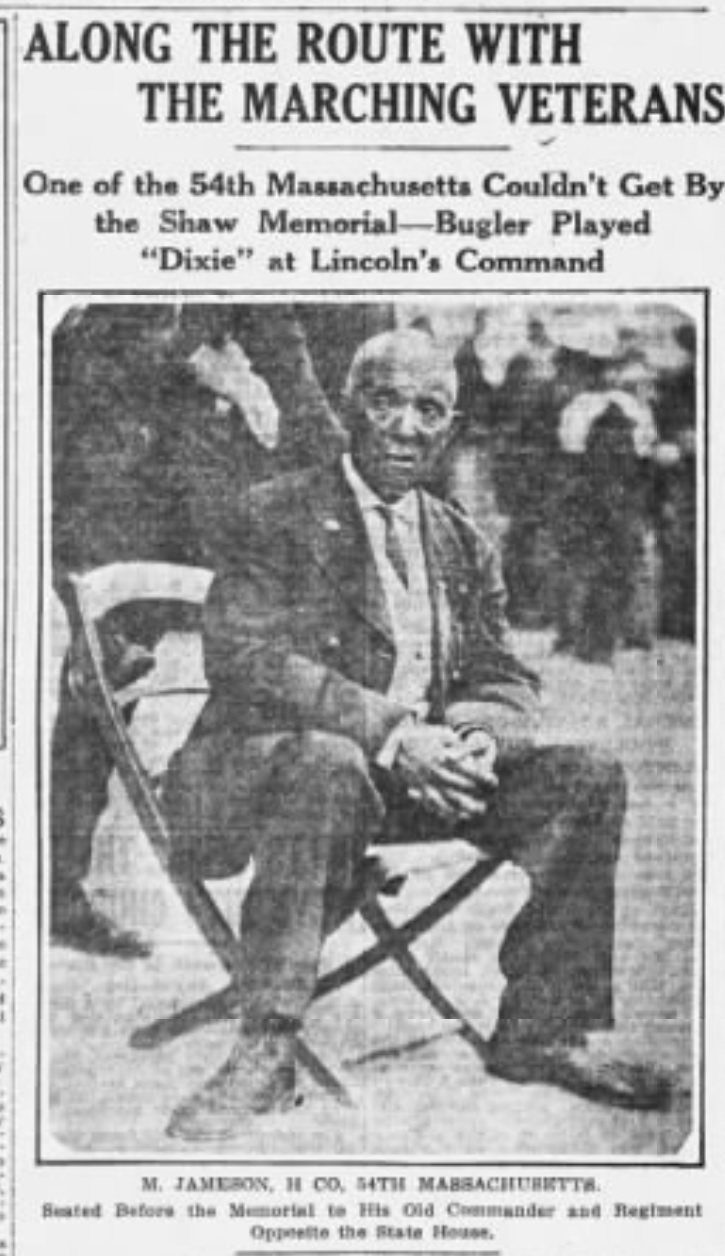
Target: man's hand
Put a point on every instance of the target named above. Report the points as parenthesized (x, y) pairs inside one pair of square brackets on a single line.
[(480, 757), (444, 771)]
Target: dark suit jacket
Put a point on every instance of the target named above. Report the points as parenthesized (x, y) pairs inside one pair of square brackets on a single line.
[(297, 633)]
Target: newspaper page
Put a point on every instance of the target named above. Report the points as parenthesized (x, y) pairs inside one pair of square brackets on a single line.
[(360, 882)]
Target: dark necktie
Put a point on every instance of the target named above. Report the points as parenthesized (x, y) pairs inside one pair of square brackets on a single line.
[(393, 547)]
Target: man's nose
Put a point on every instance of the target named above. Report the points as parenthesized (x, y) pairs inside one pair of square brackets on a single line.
[(406, 421)]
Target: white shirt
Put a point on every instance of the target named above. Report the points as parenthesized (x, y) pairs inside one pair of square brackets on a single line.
[(410, 608)]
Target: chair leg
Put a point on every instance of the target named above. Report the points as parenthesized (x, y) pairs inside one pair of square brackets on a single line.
[(391, 943), (413, 928), (398, 1050), (221, 1005), (324, 1076), (398, 950)]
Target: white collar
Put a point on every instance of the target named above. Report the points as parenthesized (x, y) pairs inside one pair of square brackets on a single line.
[(407, 509)]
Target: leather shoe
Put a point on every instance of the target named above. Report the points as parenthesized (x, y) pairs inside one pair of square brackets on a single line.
[(594, 1074), (76, 923), (258, 1078)]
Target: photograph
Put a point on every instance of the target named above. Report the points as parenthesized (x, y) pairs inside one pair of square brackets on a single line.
[(371, 727)]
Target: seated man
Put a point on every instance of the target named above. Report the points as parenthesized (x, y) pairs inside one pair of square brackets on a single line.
[(363, 689)]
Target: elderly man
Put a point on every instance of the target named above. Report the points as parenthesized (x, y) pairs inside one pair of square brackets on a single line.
[(363, 688)]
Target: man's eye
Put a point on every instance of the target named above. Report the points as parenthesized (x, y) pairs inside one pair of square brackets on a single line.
[(431, 412)]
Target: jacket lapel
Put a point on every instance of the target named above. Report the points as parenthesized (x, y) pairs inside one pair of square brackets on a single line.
[(449, 586), (341, 550), (446, 558)]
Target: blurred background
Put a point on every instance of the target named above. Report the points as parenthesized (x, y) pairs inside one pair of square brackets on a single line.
[(576, 441)]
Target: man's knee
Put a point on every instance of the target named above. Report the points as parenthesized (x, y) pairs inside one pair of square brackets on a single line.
[(586, 766), (333, 774), (321, 798), (330, 756)]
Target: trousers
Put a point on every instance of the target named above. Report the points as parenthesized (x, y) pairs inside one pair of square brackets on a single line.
[(80, 772), (305, 806)]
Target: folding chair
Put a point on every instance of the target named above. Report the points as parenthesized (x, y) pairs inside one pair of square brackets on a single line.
[(89, 598)]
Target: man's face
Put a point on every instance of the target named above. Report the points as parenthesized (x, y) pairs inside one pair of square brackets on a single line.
[(401, 419)]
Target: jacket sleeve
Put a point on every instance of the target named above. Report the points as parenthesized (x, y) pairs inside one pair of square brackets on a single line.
[(275, 340), (491, 688), (254, 620)]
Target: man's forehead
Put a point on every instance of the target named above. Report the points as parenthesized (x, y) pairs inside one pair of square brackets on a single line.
[(403, 366)]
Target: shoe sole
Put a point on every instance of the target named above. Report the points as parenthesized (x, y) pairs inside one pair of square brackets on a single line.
[(176, 1130), (522, 1075)]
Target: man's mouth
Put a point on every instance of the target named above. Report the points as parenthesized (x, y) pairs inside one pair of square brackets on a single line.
[(405, 459)]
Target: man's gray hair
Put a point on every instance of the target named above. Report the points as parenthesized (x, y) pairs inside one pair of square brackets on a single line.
[(410, 344)]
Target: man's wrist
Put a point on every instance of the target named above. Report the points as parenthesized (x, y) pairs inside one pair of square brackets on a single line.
[(387, 755)]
